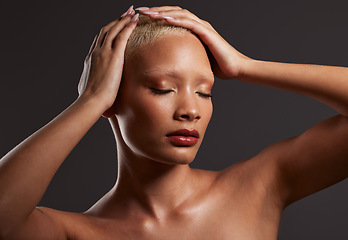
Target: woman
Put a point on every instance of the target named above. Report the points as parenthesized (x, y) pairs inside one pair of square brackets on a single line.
[(159, 113)]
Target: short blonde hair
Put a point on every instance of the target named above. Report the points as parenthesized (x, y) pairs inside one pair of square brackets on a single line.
[(148, 31)]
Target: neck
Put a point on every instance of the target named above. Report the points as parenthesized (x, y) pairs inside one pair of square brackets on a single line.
[(151, 186), (155, 187)]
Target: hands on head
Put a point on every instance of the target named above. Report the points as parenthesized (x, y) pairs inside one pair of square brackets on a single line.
[(103, 65), (314, 162), (226, 63)]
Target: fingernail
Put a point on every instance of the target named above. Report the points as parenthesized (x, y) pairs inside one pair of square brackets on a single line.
[(130, 9), (168, 17), (151, 12), (135, 18), (141, 8)]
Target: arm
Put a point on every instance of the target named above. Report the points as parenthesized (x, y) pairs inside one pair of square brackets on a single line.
[(318, 158), (326, 84), (26, 171), (305, 164)]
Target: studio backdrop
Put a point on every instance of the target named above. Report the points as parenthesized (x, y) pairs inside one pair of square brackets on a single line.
[(44, 43)]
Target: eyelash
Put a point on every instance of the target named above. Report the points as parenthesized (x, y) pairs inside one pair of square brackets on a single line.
[(162, 92), (159, 92), (207, 95)]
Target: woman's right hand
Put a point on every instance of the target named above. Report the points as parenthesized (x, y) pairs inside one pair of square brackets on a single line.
[(103, 65)]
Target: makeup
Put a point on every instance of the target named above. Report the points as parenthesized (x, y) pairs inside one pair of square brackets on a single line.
[(183, 137)]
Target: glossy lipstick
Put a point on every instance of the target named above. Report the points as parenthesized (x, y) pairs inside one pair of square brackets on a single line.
[(183, 137)]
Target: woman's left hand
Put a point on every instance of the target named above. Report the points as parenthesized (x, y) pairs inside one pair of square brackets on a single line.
[(227, 62)]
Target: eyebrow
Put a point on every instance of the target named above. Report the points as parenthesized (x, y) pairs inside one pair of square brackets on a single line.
[(165, 72), (161, 72)]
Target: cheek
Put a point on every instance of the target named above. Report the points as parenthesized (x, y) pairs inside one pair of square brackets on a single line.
[(207, 114), (145, 114), (211, 110), (144, 122), (151, 117)]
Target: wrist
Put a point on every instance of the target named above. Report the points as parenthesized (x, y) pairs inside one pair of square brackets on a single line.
[(237, 64), (95, 102), (245, 67)]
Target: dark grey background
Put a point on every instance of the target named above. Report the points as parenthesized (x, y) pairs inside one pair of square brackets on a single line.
[(44, 43)]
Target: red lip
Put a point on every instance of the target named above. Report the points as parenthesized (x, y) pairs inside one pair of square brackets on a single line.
[(183, 137), (185, 132)]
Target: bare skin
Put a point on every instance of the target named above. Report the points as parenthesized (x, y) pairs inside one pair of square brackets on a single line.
[(157, 195)]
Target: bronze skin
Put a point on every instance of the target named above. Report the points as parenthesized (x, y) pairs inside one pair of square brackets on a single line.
[(165, 87)]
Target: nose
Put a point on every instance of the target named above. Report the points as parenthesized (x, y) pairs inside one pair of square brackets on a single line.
[(187, 108)]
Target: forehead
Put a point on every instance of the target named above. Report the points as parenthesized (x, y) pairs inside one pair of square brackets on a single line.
[(171, 55)]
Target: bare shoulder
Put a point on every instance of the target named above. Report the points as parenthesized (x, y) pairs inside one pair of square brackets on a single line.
[(245, 197), (258, 172), (295, 167), (258, 176)]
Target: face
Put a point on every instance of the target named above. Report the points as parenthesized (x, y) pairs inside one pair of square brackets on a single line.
[(166, 88)]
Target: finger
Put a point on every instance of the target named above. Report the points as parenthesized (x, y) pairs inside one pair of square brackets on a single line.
[(104, 31), (177, 14), (163, 8), (158, 10), (173, 13), (119, 43), (92, 46), (129, 11), (101, 36), (215, 43), (197, 26), (116, 29)]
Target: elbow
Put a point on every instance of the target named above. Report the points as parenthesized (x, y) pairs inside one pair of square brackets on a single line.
[(341, 108), (344, 113)]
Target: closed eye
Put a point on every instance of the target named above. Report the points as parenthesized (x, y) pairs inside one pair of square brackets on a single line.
[(206, 95), (159, 92)]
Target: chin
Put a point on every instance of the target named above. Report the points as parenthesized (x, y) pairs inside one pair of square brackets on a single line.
[(178, 158), (177, 161)]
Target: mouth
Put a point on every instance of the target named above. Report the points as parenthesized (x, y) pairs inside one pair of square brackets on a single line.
[(183, 137), (185, 132)]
